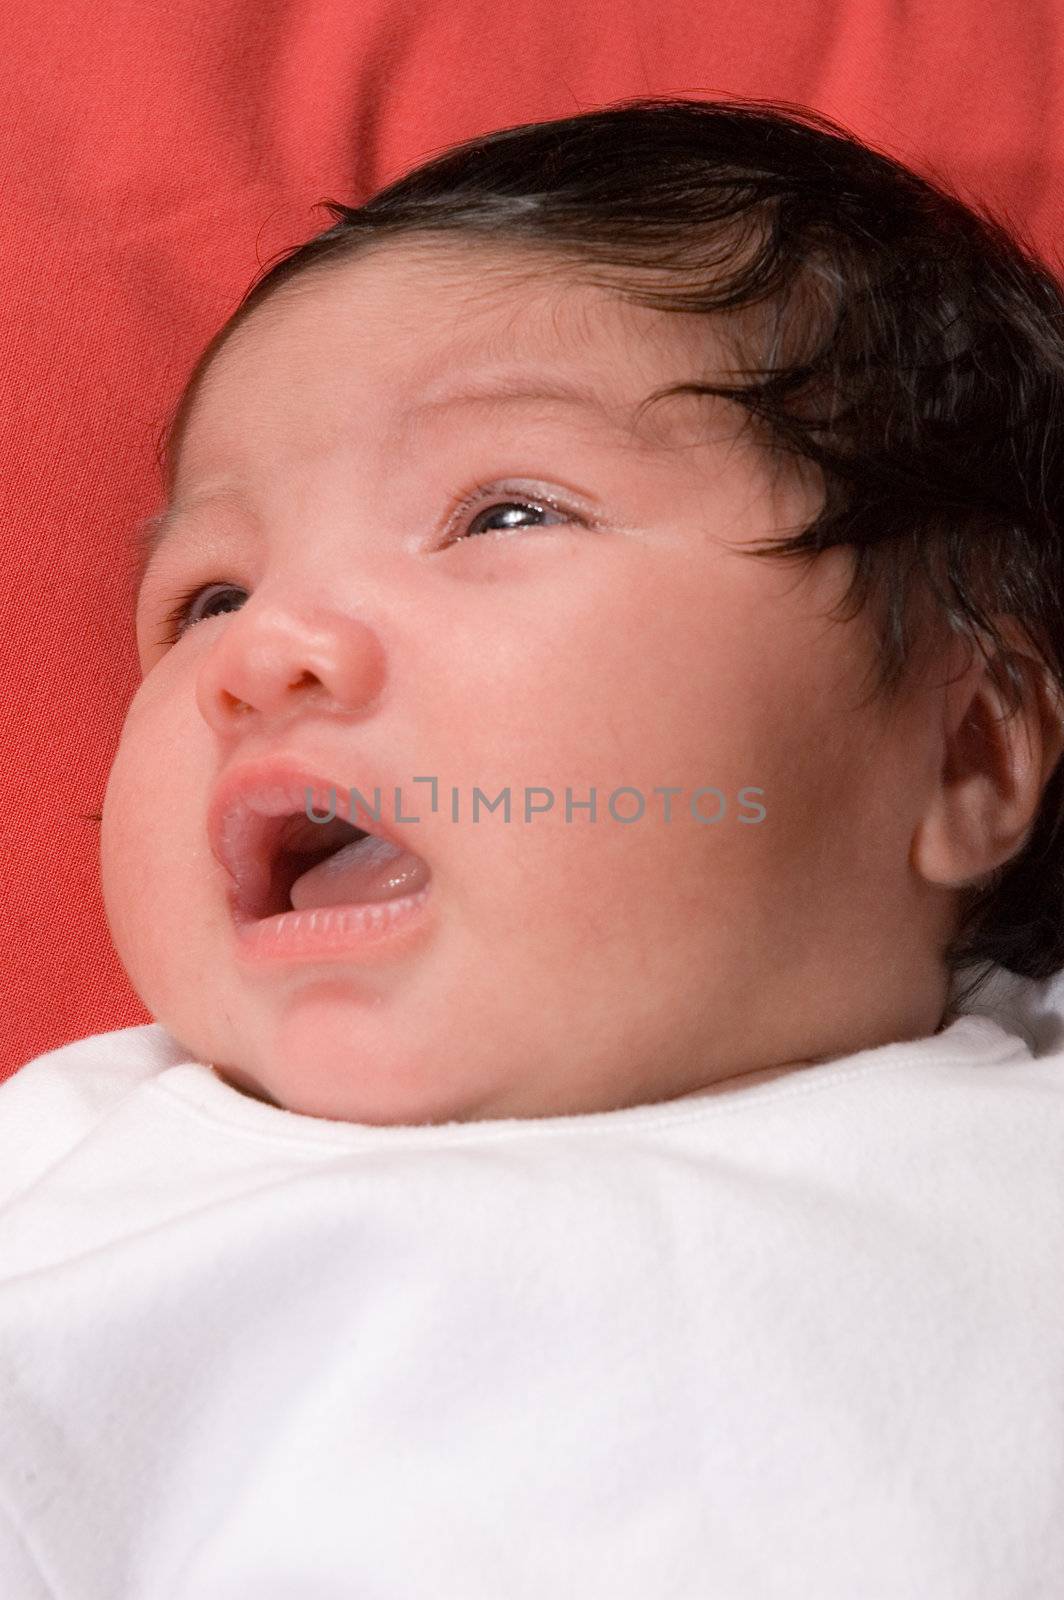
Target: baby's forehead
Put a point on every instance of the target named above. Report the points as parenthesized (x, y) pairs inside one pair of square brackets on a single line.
[(489, 338), (431, 311)]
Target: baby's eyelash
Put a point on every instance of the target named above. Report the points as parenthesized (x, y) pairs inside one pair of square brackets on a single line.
[(504, 496), (174, 621)]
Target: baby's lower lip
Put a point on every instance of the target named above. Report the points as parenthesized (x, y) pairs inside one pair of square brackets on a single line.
[(364, 932)]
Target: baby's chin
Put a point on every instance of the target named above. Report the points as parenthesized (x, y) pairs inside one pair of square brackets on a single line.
[(333, 1057)]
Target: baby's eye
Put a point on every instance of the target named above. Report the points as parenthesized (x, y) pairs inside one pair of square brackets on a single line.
[(185, 613), (531, 505)]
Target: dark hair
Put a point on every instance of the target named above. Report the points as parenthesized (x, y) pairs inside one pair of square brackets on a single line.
[(914, 354)]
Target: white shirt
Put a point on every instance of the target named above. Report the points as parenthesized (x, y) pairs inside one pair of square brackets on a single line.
[(799, 1341)]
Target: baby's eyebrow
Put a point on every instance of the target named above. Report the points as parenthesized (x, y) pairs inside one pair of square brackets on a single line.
[(151, 533), (146, 538), (518, 389)]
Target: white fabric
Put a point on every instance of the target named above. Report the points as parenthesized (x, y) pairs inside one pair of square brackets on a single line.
[(802, 1340)]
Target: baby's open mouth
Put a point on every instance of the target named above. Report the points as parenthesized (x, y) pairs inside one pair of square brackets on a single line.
[(261, 828), (316, 864)]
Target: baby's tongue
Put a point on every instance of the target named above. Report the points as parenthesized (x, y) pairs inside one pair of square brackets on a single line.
[(365, 870)]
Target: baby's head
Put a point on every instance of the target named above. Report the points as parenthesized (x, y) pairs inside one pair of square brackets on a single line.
[(689, 461)]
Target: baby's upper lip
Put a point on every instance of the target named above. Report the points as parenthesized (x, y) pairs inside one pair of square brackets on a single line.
[(251, 803)]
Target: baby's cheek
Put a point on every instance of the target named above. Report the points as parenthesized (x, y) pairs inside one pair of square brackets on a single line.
[(584, 885), (148, 836), (129, 871), (124, 800)]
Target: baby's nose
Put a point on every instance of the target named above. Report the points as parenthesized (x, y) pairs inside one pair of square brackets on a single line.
[(272, 663)]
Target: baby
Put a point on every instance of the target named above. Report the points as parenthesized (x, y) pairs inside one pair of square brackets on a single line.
[(589, 834)]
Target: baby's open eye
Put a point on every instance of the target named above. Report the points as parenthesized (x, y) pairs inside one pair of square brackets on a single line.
[(186, 612), (509, 501), (522, 507)]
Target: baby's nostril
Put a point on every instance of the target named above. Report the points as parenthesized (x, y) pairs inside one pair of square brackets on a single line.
[(238, 707)]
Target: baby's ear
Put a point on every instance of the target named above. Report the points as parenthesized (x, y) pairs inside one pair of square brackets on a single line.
[(999, 748)]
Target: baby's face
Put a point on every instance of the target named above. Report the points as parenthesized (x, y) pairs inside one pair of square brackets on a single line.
[(587, 623)]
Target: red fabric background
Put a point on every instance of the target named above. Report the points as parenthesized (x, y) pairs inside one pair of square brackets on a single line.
[(152, 155)]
